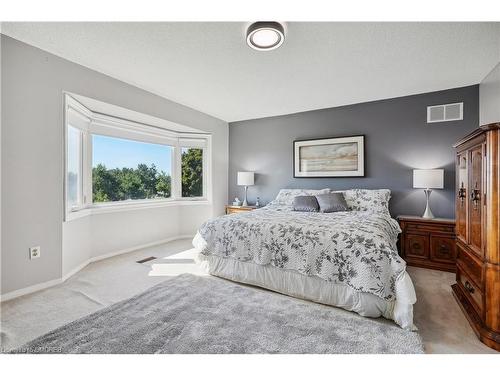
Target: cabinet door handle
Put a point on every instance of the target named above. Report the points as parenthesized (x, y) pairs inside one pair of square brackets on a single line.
[(462, 194), (475, 196), (469, 287)]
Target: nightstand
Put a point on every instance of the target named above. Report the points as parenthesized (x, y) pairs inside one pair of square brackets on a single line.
[(428, 243), (239, 209)]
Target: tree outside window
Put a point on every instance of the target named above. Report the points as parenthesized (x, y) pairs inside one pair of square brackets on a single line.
[(192, 172)]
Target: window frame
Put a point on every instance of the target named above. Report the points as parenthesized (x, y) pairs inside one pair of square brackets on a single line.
[(79, 191), (187, 144), (113, 203), (93, 123)]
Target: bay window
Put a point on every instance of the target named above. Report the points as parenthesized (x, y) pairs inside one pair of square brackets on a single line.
[(115, 163)]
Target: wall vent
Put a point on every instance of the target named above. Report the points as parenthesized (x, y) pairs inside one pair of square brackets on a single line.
[(445, 112)]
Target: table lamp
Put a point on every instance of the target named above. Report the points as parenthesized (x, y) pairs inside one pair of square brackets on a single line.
[(245, 179), (428, 179)]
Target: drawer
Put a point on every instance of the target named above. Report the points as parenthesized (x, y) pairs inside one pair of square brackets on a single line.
[(443, 249), (424, 227), (417, 246), (471, 290), (470, 264), (238, 209)]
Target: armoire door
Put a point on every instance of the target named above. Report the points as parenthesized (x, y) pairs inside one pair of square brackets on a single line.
[(475, 235), (462, 201)]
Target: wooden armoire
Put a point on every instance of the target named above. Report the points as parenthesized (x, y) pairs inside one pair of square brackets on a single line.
[(477, 289)]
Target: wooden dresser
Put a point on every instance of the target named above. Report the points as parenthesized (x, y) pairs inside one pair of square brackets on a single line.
[(477, 229), (428, 243)]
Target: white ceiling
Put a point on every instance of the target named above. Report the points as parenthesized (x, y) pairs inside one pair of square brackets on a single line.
[(209, 67)]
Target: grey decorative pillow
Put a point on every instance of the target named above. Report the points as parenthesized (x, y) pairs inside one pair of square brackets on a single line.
[(306, 203), (285, 196), (331, 202)]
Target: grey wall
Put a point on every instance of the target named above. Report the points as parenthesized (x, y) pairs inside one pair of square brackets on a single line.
[(397, 140), (489, 97), (32, 84)]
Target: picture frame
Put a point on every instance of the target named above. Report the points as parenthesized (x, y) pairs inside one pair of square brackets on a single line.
[(329, 157)]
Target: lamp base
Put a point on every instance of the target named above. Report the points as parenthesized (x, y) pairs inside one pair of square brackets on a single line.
[(245, 203), (428, 213)]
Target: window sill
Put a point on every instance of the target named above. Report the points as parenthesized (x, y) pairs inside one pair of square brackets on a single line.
[(106, 208)]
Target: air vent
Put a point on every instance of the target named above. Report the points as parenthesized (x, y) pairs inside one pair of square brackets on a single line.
[(146, 260), (445, 112)]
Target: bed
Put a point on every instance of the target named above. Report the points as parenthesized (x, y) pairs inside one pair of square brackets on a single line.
[(344, 259)]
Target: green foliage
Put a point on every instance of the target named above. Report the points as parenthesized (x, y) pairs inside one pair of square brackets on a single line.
[(192, 172), (146, 182), (117, 184), (104, 184), (164, 184)]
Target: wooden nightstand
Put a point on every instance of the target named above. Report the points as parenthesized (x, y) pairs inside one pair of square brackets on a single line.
[(239, 209), (428, 243)]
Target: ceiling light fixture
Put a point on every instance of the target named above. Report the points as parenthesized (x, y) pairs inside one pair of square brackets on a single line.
[(265, 36)]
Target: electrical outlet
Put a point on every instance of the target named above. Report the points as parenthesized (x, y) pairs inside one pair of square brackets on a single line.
[(35, 252)]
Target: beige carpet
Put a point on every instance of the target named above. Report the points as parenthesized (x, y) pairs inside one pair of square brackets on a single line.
[(441, 324)]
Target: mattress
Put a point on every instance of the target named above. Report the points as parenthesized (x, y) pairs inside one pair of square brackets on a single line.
[(315, 289), (347, 259)]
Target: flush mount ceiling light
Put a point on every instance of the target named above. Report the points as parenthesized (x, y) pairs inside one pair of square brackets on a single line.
[(265, 36)]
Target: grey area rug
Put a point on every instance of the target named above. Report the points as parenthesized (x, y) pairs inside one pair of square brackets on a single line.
[(193, 314)]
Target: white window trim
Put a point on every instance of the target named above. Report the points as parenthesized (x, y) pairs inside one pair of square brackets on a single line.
[(101, 124), (82, 124)]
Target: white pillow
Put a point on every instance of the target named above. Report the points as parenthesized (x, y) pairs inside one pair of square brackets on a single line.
[(376, 201), (286, 196)]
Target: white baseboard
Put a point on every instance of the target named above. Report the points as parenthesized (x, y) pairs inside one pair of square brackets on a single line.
[(37, 287), (134, 248), (28, 290), (75, 270)]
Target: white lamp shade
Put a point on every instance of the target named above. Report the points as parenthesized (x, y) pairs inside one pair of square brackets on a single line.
[(428, 178), (245, 178)]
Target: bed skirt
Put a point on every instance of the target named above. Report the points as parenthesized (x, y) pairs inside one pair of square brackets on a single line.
[(314, 288)]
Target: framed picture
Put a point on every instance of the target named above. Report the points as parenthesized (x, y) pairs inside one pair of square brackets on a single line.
[(329, 157)]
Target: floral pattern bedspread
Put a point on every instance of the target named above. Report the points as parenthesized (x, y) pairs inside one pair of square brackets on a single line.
[(355, 248)]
